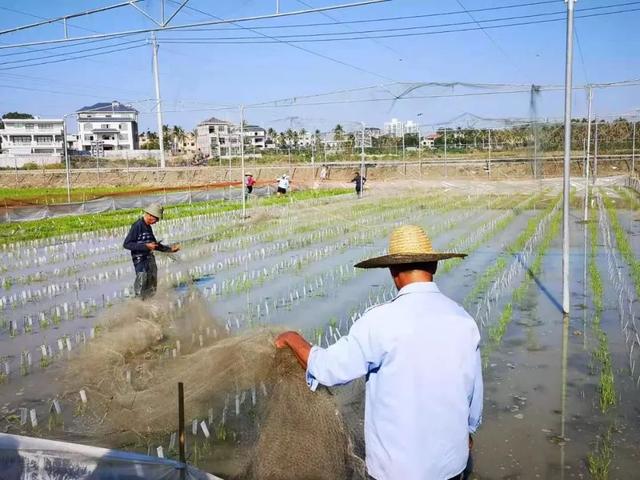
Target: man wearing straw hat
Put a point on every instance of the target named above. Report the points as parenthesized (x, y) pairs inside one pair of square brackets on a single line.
[(142, 243), (421, 359)]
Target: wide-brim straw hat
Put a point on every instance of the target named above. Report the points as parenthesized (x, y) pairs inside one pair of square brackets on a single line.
[(408, 244), (155, 209)]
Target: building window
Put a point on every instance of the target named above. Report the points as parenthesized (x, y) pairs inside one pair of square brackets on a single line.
[(43, 139), (22, 139), (104, 125), (29, 126), (45, 126)]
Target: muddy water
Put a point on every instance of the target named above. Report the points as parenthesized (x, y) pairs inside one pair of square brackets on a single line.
[(542, 415)]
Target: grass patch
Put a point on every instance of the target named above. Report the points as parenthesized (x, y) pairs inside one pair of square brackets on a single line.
[(606, 386), (599, 461), (39, 229)]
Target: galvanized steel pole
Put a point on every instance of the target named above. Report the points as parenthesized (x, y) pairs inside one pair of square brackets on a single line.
[(633, 149), (445, 152), (586, 170), (156, 75), (243, 182), (362, 163), (66, 158), (566, 302)]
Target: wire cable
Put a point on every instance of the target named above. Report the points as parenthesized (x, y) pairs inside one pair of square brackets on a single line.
[(74, 58), (93, 49), (384, 19), (298, 47), (400, 35)]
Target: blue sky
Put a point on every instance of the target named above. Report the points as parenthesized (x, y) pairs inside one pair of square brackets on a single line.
[(197, 77)]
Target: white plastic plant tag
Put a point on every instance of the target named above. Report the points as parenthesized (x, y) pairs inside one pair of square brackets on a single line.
[(194, 427), (83, 396), (205, 430), (23, 416), (160, 452), (56, 406), (34, 417)]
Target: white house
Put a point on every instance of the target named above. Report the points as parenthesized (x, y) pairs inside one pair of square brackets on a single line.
[(32, 136), (220, 138), (429, 140), (213, 137), (255, 136), (107, 126)]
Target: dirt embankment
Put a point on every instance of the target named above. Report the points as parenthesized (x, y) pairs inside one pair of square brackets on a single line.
[(147, 178)]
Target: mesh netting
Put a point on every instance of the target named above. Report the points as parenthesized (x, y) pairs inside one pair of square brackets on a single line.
[(130, 376)]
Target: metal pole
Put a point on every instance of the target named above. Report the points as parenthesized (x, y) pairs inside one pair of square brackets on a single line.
[(244, 194), (362, 163), (181, 437), (633, 150), (403, 146), (446, 173), (489, 158), (535, 153), (313, 157), (419, 148), (586, 168), (595, 154), (156, 76), (66, 158), (566, 302)]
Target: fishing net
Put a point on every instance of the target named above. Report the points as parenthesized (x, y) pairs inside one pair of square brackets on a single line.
[(130, 374)]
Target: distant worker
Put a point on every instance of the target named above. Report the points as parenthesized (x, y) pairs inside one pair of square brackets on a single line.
[(421, 358), (142, 242), (359, 181), (249, 182), (323, 173), (283, 184)]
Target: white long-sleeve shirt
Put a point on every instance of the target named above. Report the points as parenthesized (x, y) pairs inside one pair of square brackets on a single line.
[(420, 354)]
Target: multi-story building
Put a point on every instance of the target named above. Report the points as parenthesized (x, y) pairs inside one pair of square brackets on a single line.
[(255, 136), (397, 128), (32, 136), (220, 138), (213, 137), (107, 126)]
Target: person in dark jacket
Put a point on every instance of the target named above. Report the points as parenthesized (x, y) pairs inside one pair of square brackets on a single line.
[(359, 181), (142, 242)]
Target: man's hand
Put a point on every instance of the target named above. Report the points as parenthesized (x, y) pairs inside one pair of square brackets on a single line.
[(151, 245), (175, 248), (297, 344), (281, 340)]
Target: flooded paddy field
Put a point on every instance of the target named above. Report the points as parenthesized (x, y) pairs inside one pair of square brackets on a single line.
[(81, 360)]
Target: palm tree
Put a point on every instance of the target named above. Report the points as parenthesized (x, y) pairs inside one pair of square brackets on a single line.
[(178, 136), (338, 133)]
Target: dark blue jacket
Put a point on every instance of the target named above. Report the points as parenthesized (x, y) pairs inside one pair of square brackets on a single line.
[(139, 235)]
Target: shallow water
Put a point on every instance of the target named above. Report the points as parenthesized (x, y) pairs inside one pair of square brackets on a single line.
[(542, 414)]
